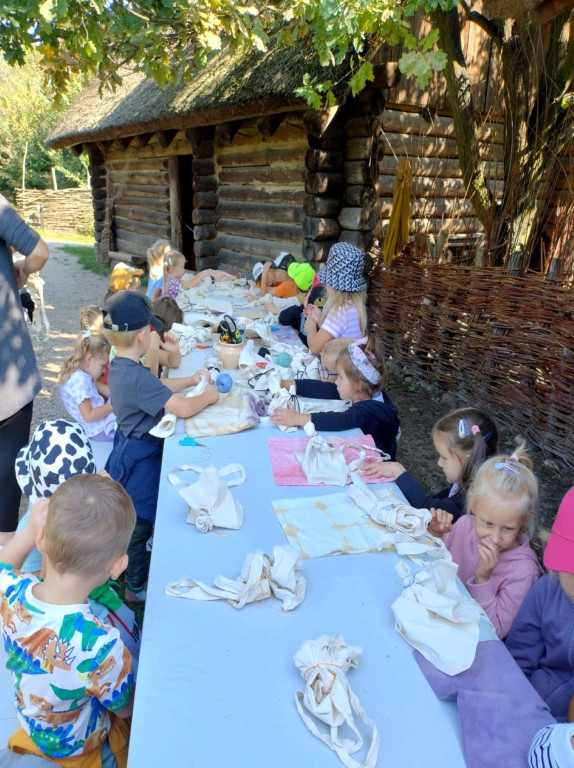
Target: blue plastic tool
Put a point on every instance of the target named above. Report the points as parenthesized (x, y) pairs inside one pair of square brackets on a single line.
[(190, 441)]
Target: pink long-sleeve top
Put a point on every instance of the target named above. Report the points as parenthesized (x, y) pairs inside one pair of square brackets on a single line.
[(516, 571)]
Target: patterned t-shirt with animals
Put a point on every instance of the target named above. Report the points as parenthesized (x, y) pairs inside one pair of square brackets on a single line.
[(69, 668)]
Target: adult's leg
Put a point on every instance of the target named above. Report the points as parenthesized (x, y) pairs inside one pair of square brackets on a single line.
[(14, 434)]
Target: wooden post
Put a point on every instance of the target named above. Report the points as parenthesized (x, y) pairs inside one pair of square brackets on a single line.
[(54, 179), (24, 166), (175, 203)]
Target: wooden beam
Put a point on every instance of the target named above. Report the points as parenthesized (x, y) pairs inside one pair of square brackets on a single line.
[(142, 140), (317, 121), (76, 149), (267, 125), (387, 75), (225, 132), (166, 137), (123, 144), (196, 136), (549, 9), (176, 238)]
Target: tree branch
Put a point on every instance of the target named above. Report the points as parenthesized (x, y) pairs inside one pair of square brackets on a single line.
[(488, 25)]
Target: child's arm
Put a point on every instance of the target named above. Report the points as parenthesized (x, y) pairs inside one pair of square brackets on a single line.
[(179, 383), (152, 355), (185, 407), (103, 389), (288, 417), (91, 414), (525, 641), (501, 606), (384, 469), (265, 281), (23, 542), (316, 337), (169, 354), (156, 294), (193, 282)]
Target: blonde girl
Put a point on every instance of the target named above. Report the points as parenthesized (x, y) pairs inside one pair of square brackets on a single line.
[(463, 439), (361, 376), (345, 312), (174, 269), (79, 386), (491, 544), (155, 259)]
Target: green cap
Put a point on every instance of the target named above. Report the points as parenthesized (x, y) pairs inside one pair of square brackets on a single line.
[(302, 274)]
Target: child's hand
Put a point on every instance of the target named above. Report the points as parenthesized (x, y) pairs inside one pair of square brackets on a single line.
[(198, 374), (441, 522), (269, 306), (170, 342), (489, 556), (383, 469), (38, 515), (219, 276), (288, 417), (287, 383), (251, 297), (312, 312)]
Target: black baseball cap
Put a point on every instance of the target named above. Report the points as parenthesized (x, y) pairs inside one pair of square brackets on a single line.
[(129, 311)]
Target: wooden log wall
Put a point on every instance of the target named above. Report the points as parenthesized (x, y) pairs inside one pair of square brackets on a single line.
[(204, 185), (260, 172), (438, 195), (138, 188), (62, 210)]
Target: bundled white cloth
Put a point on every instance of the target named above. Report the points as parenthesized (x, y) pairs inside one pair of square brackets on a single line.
[(259, 328), (209, 500), (166, 426), (190, 335), (437, 619), (323, 664), (249, 357), (261, 577), (280, 398), (323, 462)]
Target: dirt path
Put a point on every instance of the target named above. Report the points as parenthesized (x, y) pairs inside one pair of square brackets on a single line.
[(69, 287)]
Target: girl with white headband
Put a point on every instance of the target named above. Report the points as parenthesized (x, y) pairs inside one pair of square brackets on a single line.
[(361, 376)]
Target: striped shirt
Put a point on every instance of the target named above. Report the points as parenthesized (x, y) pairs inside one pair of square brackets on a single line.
[(552, 747), (343, 322)]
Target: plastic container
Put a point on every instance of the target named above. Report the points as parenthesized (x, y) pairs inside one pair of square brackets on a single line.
[(229, 354)]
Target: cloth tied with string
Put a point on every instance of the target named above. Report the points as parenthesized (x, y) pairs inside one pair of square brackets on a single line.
[(209, 500), (280, 398), (190, 335), (436, 618), (166, 426), (323, 462), (261, 577), (323, 664)]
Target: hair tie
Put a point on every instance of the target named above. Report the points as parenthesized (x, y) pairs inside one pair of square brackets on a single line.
[(513, 459), (463, 430), (507, 466), (487, 437), (87, 334), (475, 429)]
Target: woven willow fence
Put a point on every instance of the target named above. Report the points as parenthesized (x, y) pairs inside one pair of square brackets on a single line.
[(501, 342)]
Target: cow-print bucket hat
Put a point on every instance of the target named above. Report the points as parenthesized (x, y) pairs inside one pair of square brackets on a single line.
[(344, 268), (58, 450)]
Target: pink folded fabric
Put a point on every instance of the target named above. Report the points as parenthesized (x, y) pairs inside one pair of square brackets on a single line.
[(288, 471)]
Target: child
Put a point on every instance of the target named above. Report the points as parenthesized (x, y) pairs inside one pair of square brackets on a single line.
[(294, 316), (72, 674), (272, 277), (174, 269), (326, 387), (91, 318), (167, 309), (139, 399), (155, 258), (123, 277), (361, 376), (553, 747), (80, 389), (491, 544), (542, 636), (345, 312), (463, 439), (302, 276)]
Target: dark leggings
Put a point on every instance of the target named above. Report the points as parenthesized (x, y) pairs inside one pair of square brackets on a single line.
[(14, 434)]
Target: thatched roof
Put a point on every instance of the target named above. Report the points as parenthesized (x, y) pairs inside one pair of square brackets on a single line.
[(229, 88)]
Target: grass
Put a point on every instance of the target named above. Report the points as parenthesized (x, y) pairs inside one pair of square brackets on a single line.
[(87, 258), (47, 234)]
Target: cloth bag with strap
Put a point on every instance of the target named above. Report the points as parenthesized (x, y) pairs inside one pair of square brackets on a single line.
[(234, 412), (209, 500), (323, 462), (328, 697)]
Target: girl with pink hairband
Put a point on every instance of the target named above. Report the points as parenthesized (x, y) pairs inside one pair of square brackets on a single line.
[(361, 376), (463, 439), (491, 544)]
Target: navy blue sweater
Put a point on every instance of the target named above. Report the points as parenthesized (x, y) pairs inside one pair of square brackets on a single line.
[(376, 417), (417, 496), (315, 388)]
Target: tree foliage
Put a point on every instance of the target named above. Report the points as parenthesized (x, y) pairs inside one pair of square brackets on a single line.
[(28, 115)]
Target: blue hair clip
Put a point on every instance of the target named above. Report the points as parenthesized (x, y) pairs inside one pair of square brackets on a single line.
[(463, 429), (87, 334), (510, 467)]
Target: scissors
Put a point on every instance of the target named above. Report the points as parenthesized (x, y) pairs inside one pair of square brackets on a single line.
[(228, 330)]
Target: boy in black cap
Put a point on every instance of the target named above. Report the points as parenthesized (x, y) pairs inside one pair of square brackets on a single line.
[(139, 398)]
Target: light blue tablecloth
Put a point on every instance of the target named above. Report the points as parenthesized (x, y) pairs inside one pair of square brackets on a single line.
[(216, 685)]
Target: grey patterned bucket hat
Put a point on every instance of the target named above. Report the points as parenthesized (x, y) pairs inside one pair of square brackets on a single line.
[(58, 450), (344, 268)]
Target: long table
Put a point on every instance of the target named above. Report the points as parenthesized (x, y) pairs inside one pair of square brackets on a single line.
[(216, 685)]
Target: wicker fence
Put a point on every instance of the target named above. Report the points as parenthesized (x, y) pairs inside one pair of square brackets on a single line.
[(63, 210), (501, 342)]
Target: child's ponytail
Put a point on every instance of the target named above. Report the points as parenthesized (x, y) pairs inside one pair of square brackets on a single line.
[(358, 358), (472, 433), (87, 343)]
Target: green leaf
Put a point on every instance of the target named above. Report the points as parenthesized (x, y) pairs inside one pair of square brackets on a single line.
[(359, 79)]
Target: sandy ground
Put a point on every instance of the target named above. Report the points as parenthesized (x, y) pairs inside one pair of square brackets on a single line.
[(68, 287)]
